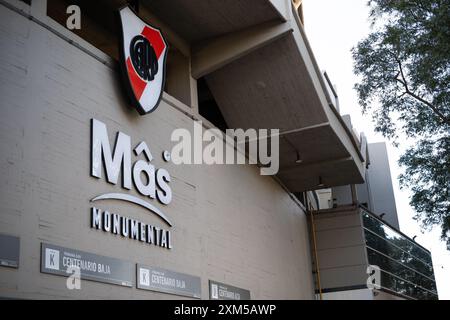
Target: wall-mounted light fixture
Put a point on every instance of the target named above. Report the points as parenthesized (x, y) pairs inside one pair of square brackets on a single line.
[(298, 160), (321, 184)]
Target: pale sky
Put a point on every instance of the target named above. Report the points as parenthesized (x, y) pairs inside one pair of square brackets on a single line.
[(333, 28)]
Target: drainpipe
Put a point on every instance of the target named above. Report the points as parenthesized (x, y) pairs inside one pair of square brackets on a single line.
[(316, 257)]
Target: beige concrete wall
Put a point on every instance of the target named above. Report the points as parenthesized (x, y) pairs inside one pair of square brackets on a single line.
[(230, 224), (341, 249), (361, 294), (381, 295)]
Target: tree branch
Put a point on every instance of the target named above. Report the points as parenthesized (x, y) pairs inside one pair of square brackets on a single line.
[(415, 96), (403, 94), (432, 107)]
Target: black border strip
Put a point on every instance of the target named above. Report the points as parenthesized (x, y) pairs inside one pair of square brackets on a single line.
[(345, 288)]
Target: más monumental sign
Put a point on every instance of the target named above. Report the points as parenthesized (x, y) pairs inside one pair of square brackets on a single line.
[(143, 56), (155, 186)]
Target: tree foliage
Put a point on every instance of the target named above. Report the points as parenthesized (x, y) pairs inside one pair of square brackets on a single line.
[(404, 70)]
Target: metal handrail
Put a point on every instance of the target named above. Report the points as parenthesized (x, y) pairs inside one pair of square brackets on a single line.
[(416, 285), (390, 242), (392, 227), (401, 263)]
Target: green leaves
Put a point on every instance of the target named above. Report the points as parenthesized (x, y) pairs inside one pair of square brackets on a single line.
[(427, 174), (404, 67)]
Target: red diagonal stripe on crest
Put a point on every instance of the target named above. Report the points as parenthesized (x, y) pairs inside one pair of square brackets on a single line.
[(137, 83), (155, 39)]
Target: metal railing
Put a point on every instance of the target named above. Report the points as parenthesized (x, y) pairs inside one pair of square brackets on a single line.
[(332, 94), (405, 265)]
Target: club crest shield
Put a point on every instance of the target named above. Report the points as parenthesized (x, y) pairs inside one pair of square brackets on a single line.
[(143, 61)]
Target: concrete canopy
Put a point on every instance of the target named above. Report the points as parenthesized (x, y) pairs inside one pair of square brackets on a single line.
[(197, 20), (262, 73), (272, 87)]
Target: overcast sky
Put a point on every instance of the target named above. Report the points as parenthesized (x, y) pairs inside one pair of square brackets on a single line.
[(333, 28)]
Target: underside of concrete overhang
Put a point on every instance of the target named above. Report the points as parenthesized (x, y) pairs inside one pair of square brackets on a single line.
[(272, 87), (197, 20), (263, 75)]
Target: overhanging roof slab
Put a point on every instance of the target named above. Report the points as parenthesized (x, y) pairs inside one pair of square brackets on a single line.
[(335, 172), (273, 87), (197, 20)]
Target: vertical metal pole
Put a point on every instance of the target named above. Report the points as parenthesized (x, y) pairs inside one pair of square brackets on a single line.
[(316, 257)]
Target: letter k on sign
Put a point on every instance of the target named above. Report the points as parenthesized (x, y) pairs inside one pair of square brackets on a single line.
[(52, 259)]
